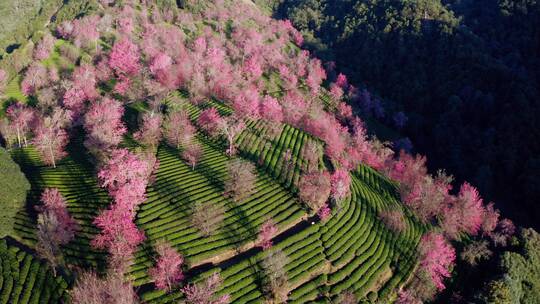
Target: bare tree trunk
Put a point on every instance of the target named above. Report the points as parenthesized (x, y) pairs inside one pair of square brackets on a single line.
[(19, 137), (231, 145), (52, 156)]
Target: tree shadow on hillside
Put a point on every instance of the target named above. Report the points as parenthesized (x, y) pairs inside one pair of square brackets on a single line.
[(242, 229), (202, 167), (166, 186), (211, 175)]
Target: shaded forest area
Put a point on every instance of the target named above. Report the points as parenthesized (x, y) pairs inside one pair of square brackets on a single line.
[(466, 73)]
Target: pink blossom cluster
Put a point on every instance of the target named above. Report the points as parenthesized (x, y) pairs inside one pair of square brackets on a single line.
[(44, 47), (21, 120), (167, 270), (437, 257), (204, 293), (209, 121), (125, 57), (125, 176), (103, 125), (83, 32), (118, 234), (341, 182), (266, 232), (50, 135), (324, 212), (55, 204)]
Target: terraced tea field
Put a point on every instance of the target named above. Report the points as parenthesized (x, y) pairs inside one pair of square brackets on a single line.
[(351, 251), (76, 179), (25, 279)]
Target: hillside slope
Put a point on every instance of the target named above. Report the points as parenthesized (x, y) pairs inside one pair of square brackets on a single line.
[(199, 154), (467, 71)]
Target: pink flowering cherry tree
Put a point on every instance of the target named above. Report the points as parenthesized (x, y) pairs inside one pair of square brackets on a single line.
[(124, 57), (44, 47), (21, 118), (204, 292), (55, 203), (209, 121), (341, 183), (160, 63), (178, 129), (150, 131), (464, 213), (437, 257), (314, 189), (119, 235), (167, 270), (324, 212), (192, 153), (55, 226), (103, 125), (51, 138), (266, 232), (125, 176), (230, 127)]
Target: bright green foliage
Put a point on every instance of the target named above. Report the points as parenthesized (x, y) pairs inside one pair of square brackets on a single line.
[(21, 18), (25, 279), (351, 251), (76, 179), (498, 293), (13, 90), (520, 281), (166, 212), (14, 187)]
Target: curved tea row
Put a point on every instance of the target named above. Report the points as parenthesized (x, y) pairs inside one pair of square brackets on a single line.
[(25, 279)]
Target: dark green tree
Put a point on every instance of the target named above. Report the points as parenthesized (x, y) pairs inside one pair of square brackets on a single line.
[(520, 271), (13, 189)]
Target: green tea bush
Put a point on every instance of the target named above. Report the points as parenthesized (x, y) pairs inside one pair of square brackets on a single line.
[(14, 187)]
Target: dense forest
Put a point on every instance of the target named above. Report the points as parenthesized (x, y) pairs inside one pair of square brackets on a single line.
[(461, 80), (466, 73)]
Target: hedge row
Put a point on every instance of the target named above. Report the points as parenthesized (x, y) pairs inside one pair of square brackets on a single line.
[(25, 279), (166, 213), (254, 144), (351, 251), (75, 177)]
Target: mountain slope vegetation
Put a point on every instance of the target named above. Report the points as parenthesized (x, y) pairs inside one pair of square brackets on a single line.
[(195, 152), (465, 73)]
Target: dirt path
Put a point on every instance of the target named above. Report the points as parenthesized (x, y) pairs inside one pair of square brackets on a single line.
[(249, 249), (383, 278)]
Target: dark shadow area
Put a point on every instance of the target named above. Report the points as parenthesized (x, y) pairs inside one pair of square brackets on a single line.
[(164, 183), (61, 271), (243, 228), (12, 47), (464, 72), (212, 175)]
